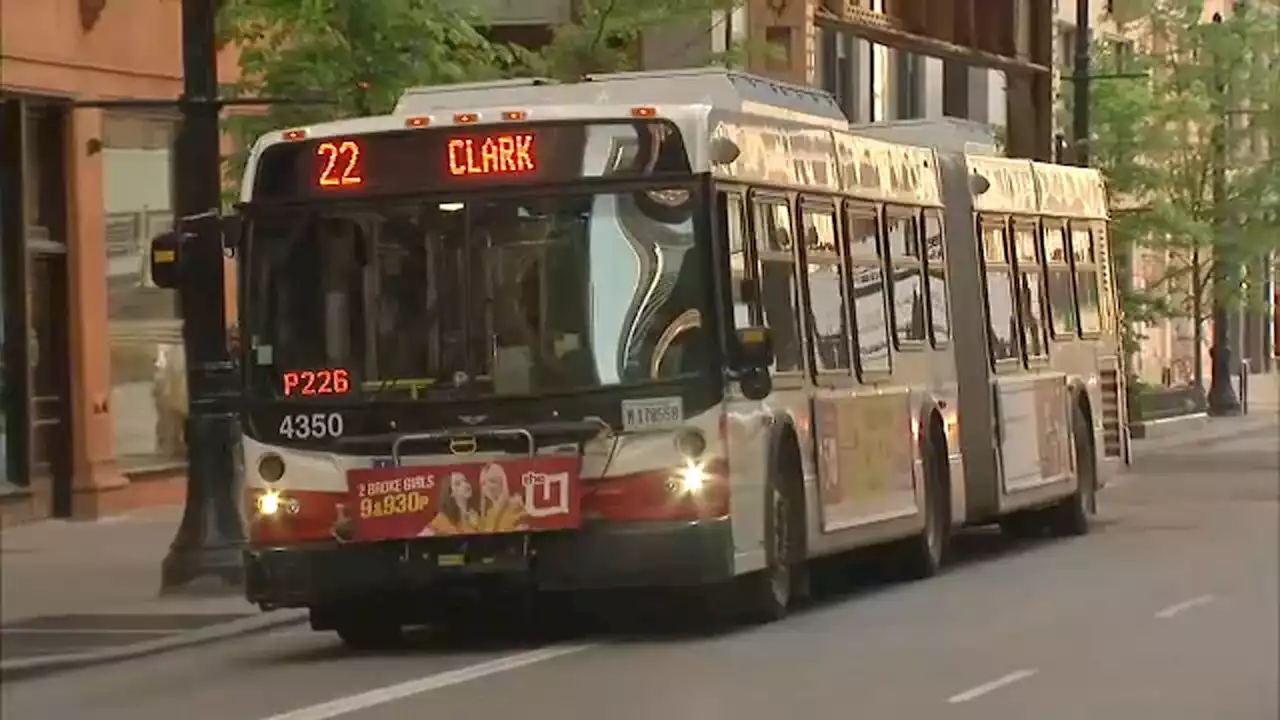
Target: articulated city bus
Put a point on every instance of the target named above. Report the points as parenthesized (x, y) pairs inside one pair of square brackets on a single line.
[(679, 329)]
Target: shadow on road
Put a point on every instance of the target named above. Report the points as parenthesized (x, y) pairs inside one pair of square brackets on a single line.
[(649, 616)]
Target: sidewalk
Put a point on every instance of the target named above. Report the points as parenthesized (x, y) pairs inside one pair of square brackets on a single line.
[(1263, 417), (80, 593)]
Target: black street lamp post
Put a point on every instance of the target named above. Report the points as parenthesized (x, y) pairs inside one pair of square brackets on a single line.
[(209, 540)]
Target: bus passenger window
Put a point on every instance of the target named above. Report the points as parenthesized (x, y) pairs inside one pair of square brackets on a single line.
[(1002, 319), (1062, 302), (1035, 338), (867, 288), (779, 292), (909, 319), (742, 292), (936, 272), (1085, 256), (827, 320)]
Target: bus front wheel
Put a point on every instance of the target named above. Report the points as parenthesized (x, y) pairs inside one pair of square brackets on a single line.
[(767, 595)]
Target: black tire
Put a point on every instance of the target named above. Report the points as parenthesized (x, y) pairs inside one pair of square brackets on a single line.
[(925, 554), (369, 633), (1023, 526), (1074, 514), (766, 596)]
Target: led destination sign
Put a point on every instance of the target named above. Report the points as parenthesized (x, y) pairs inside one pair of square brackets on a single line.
[(444, 159), (506, 154)]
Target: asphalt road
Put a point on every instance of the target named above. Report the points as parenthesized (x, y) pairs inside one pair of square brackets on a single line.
[(1168, 610)]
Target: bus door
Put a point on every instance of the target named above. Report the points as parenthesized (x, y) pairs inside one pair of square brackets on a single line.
[(866, 460), (1031, 426)]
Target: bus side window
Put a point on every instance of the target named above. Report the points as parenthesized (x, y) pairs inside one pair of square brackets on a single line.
[(867, 291), (779, 292), (936, 272), (743, 294), (1085, 258), (906, 268), (826, 317), (1062, 302), (1002, 318), (1035, 336)]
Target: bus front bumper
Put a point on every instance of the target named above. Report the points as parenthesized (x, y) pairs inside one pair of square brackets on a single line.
[(596, 556)]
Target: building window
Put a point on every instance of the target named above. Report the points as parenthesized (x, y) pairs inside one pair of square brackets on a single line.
[(910, 85), (778, 42), (1066, 46), (148, 381)]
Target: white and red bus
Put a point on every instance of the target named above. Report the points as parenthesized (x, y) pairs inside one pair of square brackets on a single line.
[(650, 330)]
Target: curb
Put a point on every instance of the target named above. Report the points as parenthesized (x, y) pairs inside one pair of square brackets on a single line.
[(1165, 427), (27, 668), (1208, 432)]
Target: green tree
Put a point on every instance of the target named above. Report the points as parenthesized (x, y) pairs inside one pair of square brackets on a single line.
[(1184, 150), (606, 35), (357, 55)]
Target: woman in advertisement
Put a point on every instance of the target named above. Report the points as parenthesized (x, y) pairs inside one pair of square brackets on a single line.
[(500, 511), (456, 516)]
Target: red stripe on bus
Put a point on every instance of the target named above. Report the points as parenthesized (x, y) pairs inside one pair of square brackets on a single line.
[(316, 512), (651, 495)]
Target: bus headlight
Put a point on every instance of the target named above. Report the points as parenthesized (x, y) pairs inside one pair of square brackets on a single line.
[(269, 503), (270, 467), (691, 444), (691, 478)]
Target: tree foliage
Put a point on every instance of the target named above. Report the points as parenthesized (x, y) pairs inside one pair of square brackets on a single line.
[(1203, 110), (357, 55), (360, 55), (606, 35)]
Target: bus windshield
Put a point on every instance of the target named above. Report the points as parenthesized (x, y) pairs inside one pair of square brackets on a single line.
[(469, 297)]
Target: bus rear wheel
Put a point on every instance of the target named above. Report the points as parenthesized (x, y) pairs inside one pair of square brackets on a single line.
[(925, 554), (1073, 515)]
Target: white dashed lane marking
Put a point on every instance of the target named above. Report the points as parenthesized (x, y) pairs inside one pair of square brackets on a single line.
[(1177, 608), (990, 687)]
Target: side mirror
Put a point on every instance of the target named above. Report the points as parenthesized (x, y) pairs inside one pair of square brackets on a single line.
[(166, 259), (756, 384), (753, 349)]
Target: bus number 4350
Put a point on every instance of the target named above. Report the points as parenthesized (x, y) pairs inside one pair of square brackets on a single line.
[(312, 426)]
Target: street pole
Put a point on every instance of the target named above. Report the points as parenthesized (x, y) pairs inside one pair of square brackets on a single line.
[(209, 540), (1222, 395), (1080, 81)]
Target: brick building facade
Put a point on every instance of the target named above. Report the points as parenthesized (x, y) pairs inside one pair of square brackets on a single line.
[(80, 191)]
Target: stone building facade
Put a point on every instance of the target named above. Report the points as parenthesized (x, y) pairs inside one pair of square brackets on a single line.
[(80, 190)]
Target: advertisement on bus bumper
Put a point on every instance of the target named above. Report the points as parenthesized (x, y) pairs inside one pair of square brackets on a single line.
[(498, 496)]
